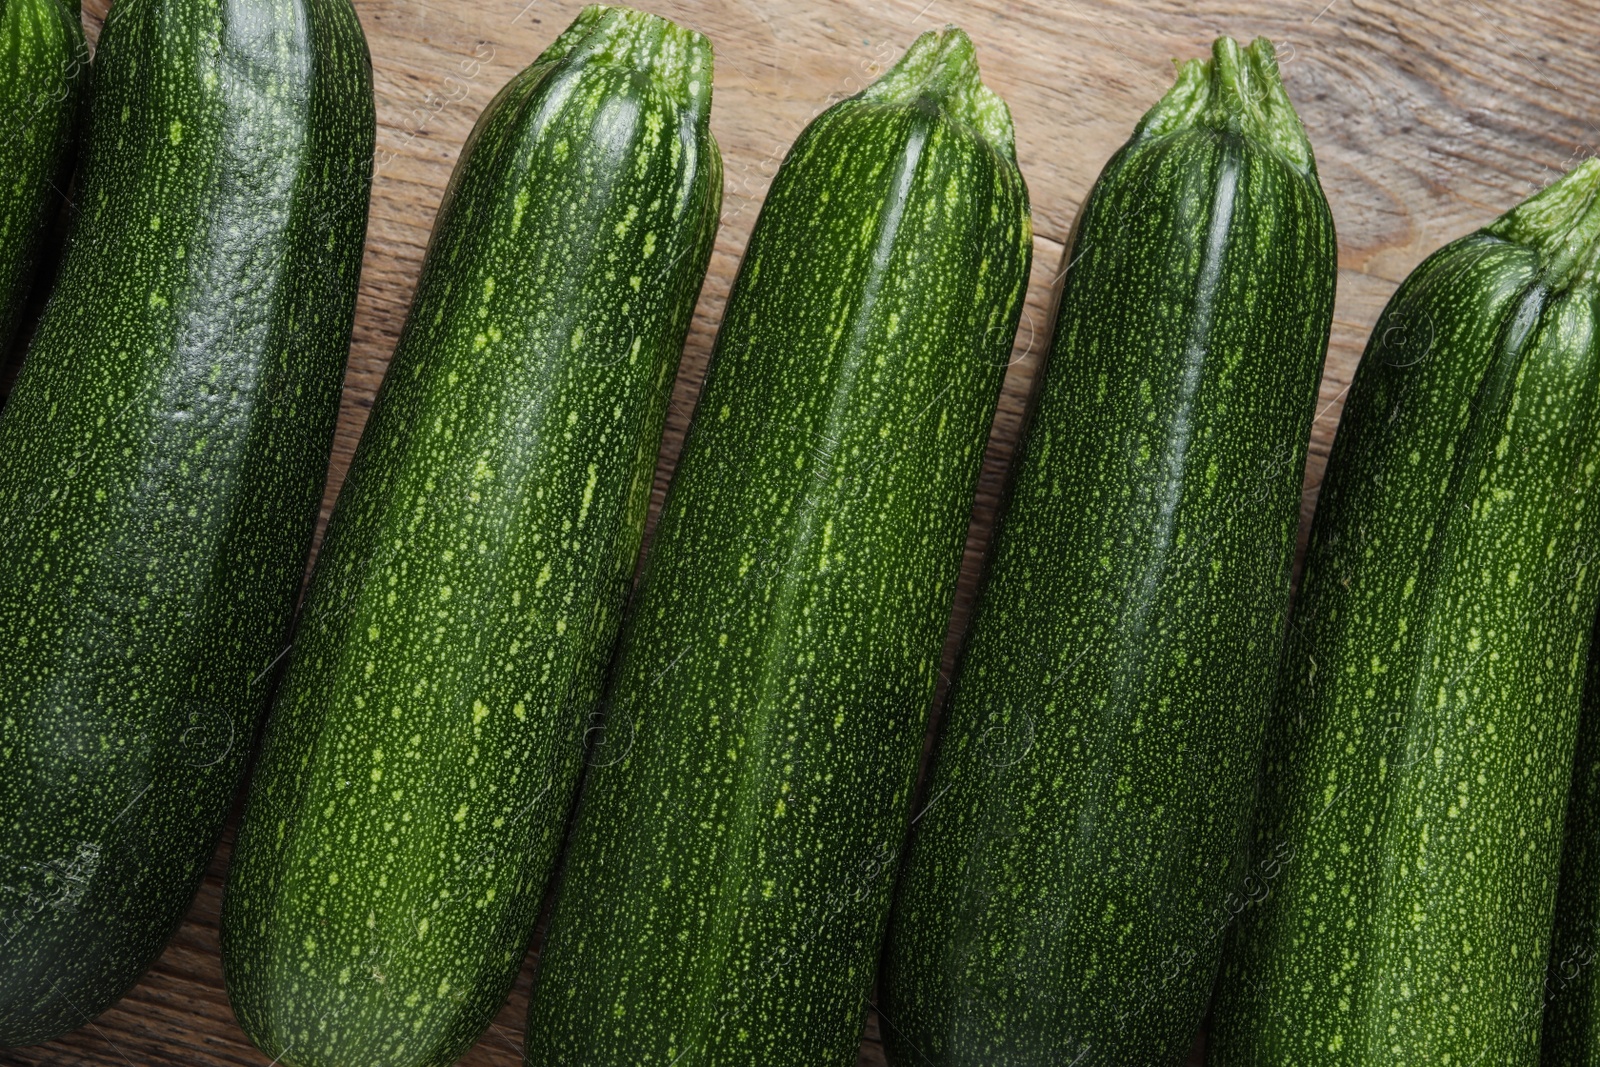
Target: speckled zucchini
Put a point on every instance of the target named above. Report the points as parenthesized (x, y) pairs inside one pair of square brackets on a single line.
[(1092, 781), (729, 870), (1569, 995), (44, 65), (424, 748), (161, 462), (1420, 754)]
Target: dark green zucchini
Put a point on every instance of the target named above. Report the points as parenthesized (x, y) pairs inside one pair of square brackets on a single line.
[(1093, 776), (44, 65), (161, 462), (729, 870), (1568, 996), (423, 750), (1419, 757)]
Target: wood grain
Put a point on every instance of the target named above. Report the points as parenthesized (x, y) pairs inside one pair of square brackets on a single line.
[(1429, 117)]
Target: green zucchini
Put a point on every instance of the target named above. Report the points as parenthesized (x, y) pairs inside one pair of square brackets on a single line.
[(1420, 753), (44, 64), (1568, 994), (424, 748), (1092, 778), (162, 459), (728, 874)]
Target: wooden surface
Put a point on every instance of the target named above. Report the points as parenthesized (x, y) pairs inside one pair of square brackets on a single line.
[(1429, 117)]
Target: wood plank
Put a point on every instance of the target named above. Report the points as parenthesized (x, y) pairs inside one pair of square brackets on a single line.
[(1428, 119)]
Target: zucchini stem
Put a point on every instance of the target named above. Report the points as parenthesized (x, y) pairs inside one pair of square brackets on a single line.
[(1238, 90), (1562, 223), (679, 58), (942, 66)]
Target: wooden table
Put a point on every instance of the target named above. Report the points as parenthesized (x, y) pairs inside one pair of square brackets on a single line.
[(1429, 117)]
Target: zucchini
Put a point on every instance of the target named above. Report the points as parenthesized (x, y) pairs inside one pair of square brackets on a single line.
[(1568, 994), (162, 459), (1092, 778), (44, 65), (728, 873), (1420, 753), (425, 745)]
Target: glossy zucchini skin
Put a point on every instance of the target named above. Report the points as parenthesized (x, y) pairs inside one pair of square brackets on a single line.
[(729, 870), (424, 748), (1091, 783), (161, 463), (44, 66), (1569, 997), (1421, 750)]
